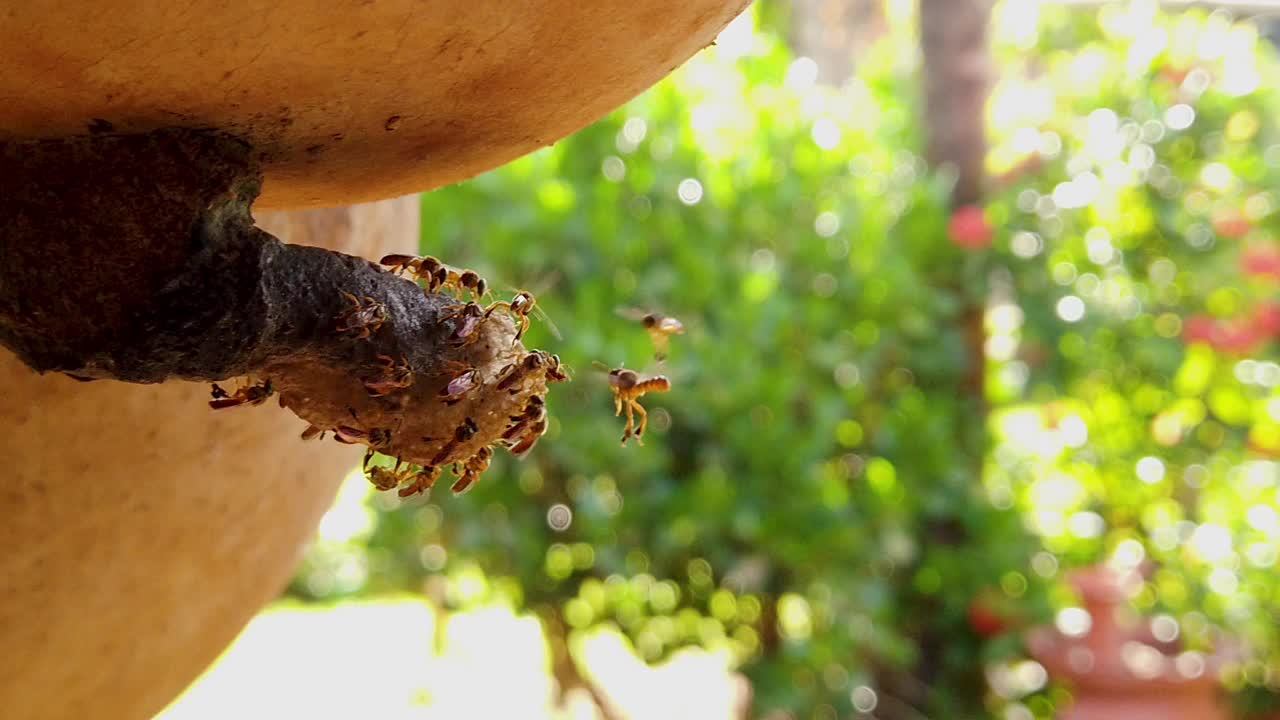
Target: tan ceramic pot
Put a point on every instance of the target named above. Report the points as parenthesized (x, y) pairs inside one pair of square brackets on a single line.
[(349, 100), (139, 530)]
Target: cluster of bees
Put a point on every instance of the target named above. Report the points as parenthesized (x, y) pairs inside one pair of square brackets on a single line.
[(365, 316)]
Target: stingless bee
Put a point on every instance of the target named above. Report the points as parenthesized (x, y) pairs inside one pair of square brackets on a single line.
[(530, 438), (364, 318), (514, 373), (628, 387), (520, 307), (421, 481), (472, 468), (660, 328), (375, 438), (466, 319), (461, 434), (392, 377), (251, 395), (313, 433), (438, 275), (460, 385), (383, 478), (535, 411)]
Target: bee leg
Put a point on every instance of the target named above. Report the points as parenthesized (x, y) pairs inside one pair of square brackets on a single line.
[(626, 432), (644, 422)]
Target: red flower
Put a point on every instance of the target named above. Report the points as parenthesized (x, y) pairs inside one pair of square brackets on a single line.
[(968, 228), (1236, 337), (1261, 261), (1231, 224), (1174, 75), (1266, 318), (984, 620), (1198, 329)]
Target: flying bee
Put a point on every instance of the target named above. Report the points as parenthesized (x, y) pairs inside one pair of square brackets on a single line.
[(460, 385), (392, 377), (466, 320), (364, 318), (521, 306), (251, 395), (628, 387), (660, 328), (472, 469)]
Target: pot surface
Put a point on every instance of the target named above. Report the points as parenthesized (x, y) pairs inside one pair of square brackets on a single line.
[(141, 530), (348, 100)]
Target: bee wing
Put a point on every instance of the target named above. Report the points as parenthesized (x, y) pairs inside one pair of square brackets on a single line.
[(223, 403), (632, 313), (544, 317)]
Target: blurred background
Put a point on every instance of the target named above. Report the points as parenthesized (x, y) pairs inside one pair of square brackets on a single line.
[(926, 379)]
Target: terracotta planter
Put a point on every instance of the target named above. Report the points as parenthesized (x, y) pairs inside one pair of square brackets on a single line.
[(349, 100), (141, 530), (1122, 673)]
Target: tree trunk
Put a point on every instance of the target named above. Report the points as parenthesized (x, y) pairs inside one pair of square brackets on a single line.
[(834, 33), (957, 78), (957, 73)]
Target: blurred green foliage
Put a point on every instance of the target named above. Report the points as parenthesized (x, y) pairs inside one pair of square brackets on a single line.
[(819, 495)]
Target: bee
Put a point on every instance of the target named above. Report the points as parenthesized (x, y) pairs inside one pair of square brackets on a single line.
[(438, 275), (555, 371), (364, 318), (530, 438), (421, 481), (660, 328), (251, 395), (393, 377), (511, 375), (382, 477), (472, 469), (376, 438), (460, 385), (397, 264), (535, 411), (520, 307), (466, 320), (461, 434), (313, 433), (628, 387)]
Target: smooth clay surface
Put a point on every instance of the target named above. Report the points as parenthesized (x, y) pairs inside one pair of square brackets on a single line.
[(140, 530), (348, 100)]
